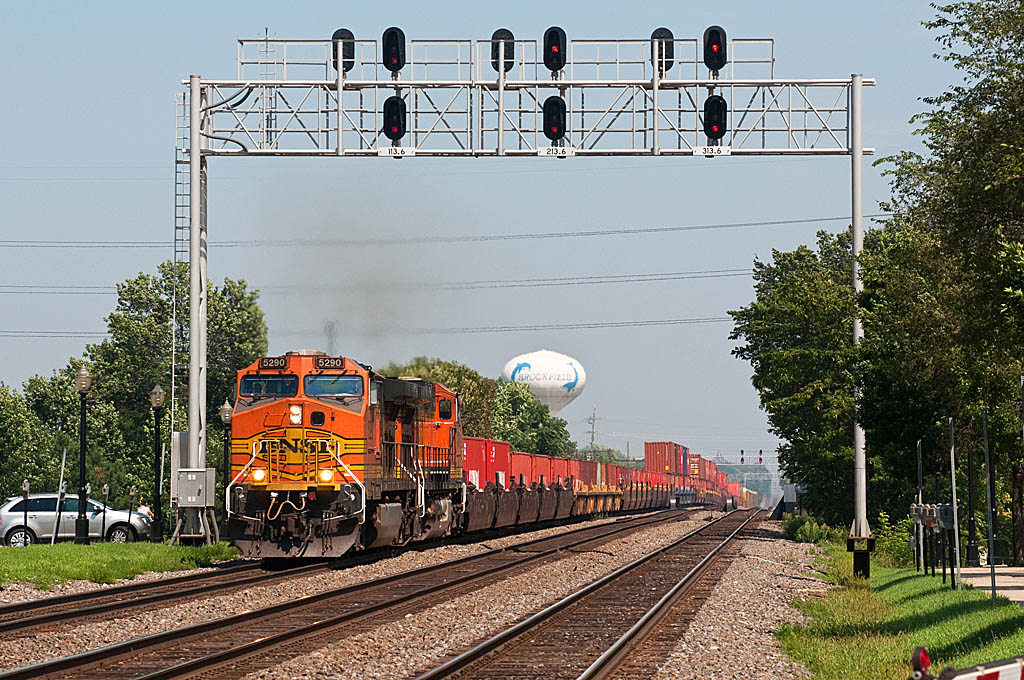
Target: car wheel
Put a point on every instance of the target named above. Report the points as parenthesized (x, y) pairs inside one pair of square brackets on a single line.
[(121, 533), (20, 536)]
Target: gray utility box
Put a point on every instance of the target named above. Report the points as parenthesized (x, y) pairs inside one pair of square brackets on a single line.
[(197, 488)]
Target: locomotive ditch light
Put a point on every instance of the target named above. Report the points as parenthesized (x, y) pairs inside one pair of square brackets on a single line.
[(295, 414), (326, 476), (259, 476)]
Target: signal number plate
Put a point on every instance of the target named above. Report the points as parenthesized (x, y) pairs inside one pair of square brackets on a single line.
[(556, 151), (396, 151), (712, 151)]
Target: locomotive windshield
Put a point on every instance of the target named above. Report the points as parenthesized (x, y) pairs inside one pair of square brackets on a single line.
[(333, 386), (273, 386)]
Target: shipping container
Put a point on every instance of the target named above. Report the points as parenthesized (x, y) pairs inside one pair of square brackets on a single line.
[(474, 461), (659, 456), (588, 472), (559, 470), (522, 468), (542, 470), (694, 461), (574, 470), (499, 465)]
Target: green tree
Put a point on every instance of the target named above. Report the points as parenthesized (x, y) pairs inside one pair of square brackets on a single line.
[(949, 278), (26, 450), (796, 335), (476, 393), (522, 420)]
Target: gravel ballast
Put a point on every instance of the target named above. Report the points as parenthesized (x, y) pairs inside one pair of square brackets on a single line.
[(733, 634), (421, 640), (41, 646)]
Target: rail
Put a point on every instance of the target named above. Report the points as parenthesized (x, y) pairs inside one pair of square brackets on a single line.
[(463, 661)]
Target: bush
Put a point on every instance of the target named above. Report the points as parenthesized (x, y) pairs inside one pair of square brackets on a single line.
[(892, 541), (805, 529)]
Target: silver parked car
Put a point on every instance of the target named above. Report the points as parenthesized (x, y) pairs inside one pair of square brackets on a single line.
[(43, 519)]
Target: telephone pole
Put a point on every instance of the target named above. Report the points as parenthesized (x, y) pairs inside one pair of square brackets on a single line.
[(592, 421)]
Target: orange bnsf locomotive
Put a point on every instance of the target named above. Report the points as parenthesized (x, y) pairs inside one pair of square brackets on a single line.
[(328, 456)]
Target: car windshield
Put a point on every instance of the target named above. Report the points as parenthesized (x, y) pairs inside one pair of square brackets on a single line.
[(333, 386), (269, 386)]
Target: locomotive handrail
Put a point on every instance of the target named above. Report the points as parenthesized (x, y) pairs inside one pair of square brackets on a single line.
[(421, 485), (362, 488), (241, 473)]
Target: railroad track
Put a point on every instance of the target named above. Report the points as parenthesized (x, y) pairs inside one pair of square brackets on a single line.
[(45, 613), (609, 628), (252, 640), (48, 613)]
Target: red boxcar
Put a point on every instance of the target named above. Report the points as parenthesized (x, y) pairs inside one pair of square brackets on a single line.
[(500, 464), (474, 461)]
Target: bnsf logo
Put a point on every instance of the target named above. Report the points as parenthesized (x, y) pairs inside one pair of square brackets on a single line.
[(294, 445)]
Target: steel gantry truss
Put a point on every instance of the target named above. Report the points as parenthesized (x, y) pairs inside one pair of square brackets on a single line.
[(623, 98)]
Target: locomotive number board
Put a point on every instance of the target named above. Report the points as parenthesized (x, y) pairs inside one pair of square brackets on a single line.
[(273, 362), (330, 362)]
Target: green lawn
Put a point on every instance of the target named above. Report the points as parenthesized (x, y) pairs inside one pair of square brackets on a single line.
[(46, 565), (858, 632)]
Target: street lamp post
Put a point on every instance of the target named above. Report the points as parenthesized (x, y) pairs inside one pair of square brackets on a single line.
[(156, 399), (225, 417), (83, 381)]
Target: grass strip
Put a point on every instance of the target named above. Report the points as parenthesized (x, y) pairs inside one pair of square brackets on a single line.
[(45, 566), (870, 632)]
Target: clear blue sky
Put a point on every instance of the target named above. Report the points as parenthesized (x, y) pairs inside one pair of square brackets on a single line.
[(88, 148)]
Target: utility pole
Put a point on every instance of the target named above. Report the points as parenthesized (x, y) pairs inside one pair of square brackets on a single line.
[(592, 421)]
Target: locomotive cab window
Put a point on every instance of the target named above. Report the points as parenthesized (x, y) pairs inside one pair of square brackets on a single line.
[(444, 409), (345, 391), (333, 386), (269, 386)]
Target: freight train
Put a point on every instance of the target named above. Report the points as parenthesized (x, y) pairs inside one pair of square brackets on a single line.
[(329, 456)]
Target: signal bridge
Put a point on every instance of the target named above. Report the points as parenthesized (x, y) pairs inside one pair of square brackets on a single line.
[(508, 97), (500, 97)]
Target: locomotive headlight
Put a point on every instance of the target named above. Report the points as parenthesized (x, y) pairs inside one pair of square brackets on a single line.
[(327, 476), (295, 414), (259, 476)]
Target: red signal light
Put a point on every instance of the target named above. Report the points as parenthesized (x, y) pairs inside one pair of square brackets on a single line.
[(554, 48), (714, 128), (714, 48)]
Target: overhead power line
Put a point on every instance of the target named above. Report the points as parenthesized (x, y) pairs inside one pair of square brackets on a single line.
[(420, 240), (423, 331), (332, 287)]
